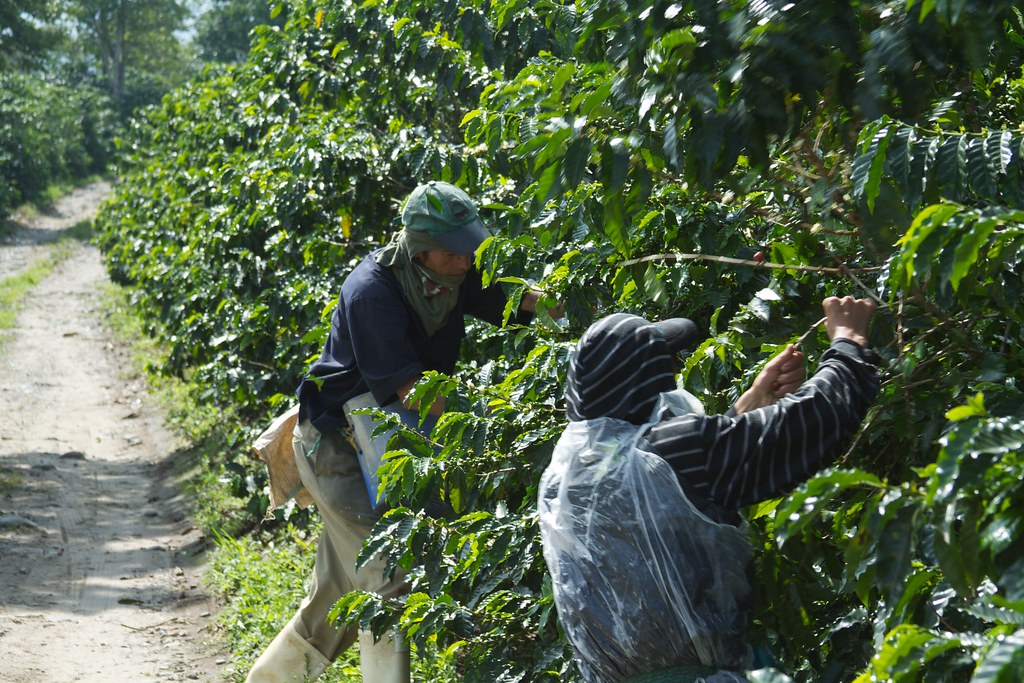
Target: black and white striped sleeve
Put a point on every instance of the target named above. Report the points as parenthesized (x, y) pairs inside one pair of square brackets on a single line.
[(735, 461)]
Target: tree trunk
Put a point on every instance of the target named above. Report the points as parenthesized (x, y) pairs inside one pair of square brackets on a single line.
[(99, 27), (118, 53), (108, 24)]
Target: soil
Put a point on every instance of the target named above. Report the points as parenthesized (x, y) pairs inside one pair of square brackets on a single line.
[(100, 566)]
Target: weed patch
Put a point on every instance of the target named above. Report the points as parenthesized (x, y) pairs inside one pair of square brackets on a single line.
[(10, 479), (14, 288), (264, 582)]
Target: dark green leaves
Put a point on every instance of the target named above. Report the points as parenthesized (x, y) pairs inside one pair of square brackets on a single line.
[(948, 243), (923, 164), (867, 169), (655, 159)]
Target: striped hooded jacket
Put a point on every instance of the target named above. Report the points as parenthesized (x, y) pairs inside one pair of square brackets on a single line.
[(724, 462), (638, 509)]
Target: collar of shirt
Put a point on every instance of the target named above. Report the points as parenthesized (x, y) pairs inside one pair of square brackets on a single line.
[(431, 288)]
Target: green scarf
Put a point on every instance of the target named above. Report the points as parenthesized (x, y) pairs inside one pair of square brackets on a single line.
[(431, 295)]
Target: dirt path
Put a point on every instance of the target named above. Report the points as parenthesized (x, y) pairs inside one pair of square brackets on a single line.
[(100, 567), (33, 234)]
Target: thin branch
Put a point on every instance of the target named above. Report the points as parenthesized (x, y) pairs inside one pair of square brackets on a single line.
[(811, 150), (747, 262), (942, 355), (172, 620), (806, 334), (872, 414), (773, 217), (850, 274), (804, 173), (913, 385), (900, 326)]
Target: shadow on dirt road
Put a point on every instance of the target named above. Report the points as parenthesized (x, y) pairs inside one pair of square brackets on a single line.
[(100, 566)]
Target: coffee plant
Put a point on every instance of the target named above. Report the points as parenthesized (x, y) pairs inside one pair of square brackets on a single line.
[(633, 156), (50, 133)]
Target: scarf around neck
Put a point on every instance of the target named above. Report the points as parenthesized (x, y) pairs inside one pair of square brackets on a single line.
[(433, 296)]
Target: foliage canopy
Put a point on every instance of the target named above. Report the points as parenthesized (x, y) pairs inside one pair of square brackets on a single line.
[(70, 73), (634, 156), (49, 134), (222, 31)]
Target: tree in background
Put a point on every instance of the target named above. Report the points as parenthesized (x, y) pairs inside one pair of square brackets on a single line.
[(131, 46), (222, 30), (24, 36), (51, 131), (72, 73)]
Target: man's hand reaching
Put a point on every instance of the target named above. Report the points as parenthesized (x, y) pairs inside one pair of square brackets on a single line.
[(530, 300), (848, 318), (845, 318), (780, 376)]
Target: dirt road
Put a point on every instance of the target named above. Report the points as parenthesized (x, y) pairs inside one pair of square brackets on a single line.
[(100, 567)]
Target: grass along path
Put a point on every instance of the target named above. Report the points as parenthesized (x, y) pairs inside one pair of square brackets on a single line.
[(14, 287)]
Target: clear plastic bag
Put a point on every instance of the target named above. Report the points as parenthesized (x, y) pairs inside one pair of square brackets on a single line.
[(643, 581)]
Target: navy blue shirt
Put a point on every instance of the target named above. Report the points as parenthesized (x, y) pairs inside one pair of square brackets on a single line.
[(377, 342)]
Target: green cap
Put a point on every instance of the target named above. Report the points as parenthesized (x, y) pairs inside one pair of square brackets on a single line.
[(447, 214)]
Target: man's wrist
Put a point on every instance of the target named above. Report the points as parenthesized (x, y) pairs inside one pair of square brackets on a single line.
[(751, 399), (850, 335), (849, 347)]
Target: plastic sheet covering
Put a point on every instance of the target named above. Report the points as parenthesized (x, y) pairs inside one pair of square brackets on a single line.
[(642, 580)]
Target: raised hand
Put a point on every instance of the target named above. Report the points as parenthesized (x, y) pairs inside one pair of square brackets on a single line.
[(848, 318)]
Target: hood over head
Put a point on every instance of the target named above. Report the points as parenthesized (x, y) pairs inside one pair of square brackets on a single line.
[(622, 363)]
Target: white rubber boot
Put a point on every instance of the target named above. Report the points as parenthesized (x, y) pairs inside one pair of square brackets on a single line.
[(385, 661), (288, 659)]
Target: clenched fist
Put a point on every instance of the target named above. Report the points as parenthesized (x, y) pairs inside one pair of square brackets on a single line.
[(781, 375), (848, 318)]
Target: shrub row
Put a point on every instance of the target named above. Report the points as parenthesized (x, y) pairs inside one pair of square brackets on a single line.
[(50, 133), (632, 157)]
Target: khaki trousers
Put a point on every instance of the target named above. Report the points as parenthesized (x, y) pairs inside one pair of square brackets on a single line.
[(330, 472)]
